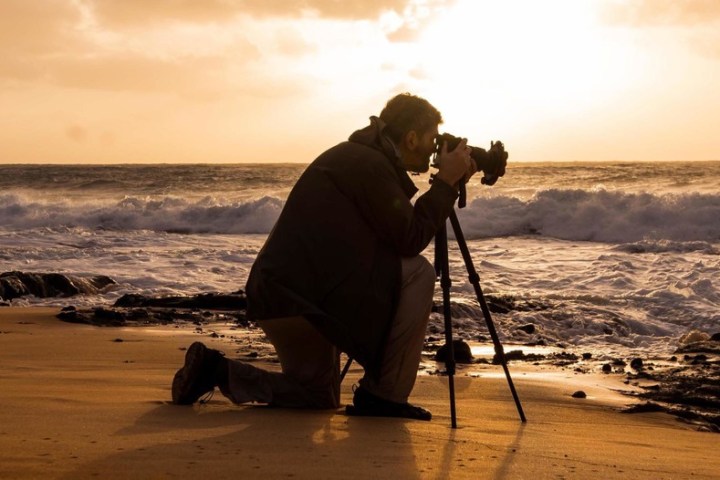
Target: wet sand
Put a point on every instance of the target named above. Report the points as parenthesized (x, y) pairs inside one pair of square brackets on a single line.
[(81, 401)]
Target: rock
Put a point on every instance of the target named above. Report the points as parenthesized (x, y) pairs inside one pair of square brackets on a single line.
[(607, 368), (104, 316), (579, 394), (43, 285), (529, 328), (636, 363), (699, 359), (509, 356), (586, 356), (644, 407), (213, 301), (70, 316), (499, 305), (461, 351), (715, 337), (138, 314), (705, 346)]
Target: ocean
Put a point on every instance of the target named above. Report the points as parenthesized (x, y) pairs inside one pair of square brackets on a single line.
[(604, 257)]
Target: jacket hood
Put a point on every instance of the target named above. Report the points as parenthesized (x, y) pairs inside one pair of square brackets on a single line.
[(374, 137)]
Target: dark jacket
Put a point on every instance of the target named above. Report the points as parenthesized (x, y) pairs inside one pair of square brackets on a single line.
[(334, 253)]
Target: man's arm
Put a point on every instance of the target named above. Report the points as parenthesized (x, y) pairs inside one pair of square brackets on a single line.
[(374, 188)]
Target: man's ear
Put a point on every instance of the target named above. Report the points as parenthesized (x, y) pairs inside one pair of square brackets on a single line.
[(412, 140)]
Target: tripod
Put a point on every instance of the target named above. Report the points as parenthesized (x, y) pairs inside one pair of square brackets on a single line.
[(443, 270)]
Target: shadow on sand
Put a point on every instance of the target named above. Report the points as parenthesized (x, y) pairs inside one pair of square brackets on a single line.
[(218, 440)]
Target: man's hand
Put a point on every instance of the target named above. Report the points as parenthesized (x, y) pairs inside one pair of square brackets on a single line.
[(456, 164)]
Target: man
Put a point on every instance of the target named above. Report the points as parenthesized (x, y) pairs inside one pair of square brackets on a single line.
[(342, 272)]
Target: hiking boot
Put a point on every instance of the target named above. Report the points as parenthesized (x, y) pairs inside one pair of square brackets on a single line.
[(198, 376), (365, 404)]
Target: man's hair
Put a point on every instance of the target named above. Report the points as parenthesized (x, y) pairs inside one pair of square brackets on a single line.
[(406, 112)]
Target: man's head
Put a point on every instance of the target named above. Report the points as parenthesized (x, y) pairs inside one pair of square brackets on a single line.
[(412, 124)]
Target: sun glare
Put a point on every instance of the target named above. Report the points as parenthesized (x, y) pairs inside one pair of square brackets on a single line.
[(520, 60)]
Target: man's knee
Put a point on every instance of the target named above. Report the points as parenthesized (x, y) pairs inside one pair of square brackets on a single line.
[(419, 271)]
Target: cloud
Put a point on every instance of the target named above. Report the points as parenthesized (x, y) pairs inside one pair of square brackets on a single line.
[(140, 74), (36, 26), (291, 42), (32, 30), (406, 33), (693, 23), (415, 18), (57, 42), (139, 12), (662, 12)]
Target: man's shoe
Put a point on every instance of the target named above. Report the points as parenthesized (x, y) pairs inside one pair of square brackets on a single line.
[(365, 404), (198, 376)]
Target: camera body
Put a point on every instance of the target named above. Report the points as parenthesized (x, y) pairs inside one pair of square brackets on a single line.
[(492, 162)]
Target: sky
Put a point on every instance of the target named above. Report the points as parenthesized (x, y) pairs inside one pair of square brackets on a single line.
[(186, 81)]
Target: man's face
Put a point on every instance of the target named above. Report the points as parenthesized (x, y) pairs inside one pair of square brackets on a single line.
[(416, 150)]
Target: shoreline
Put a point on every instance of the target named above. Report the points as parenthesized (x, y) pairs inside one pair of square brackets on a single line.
[(83, 401)]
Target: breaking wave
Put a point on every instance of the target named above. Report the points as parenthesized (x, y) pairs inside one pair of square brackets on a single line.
[(568, 214)]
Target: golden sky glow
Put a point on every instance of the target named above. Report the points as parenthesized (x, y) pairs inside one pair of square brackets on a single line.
[(105, 81)]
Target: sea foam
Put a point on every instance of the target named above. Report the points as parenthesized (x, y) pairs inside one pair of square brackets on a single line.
[(569, 214), (600, 216)]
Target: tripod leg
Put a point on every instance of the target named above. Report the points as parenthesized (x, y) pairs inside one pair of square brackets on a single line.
[(442, 266), (345, 369), (475, 280)]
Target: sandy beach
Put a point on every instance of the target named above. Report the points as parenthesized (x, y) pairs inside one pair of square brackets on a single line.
[(93, 402)]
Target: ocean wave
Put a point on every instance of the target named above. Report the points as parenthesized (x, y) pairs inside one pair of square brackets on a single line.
[(599, 216), (164, 214), (577, 215)]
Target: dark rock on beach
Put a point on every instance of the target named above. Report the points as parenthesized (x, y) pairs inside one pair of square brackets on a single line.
[(141, 310), (215, 301), (43, 285), (690, 391), (529, 328), (461, 352), (636, 363), (705, 346), (518, 355)]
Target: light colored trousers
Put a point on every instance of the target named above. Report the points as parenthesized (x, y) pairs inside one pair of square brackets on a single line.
[(310, 376)]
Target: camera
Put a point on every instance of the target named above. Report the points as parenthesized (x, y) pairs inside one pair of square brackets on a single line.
[(492, 162)]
